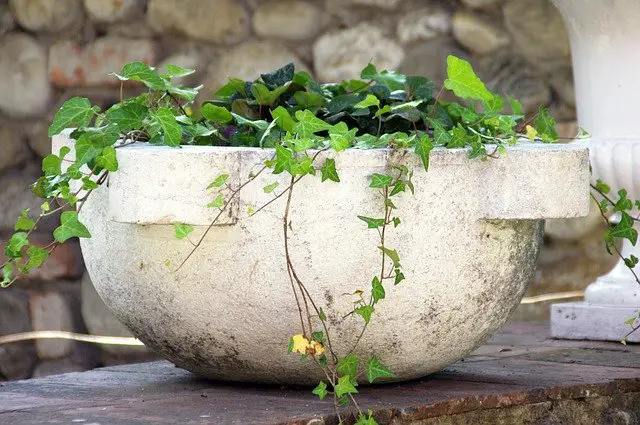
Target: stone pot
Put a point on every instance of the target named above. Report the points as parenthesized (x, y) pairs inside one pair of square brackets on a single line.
[(468, 243), (604, 43)]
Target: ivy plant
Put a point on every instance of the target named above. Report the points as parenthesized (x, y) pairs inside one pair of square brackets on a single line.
[(296, 118)]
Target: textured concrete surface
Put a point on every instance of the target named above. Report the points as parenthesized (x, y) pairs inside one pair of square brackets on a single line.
[(468, 242), (584, 320), (520, 377)]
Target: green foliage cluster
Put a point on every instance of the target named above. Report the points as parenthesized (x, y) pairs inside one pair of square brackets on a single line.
[(297, 118)]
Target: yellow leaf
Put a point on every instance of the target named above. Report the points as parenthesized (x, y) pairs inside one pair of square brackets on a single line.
[(302, 345), (532, 133)]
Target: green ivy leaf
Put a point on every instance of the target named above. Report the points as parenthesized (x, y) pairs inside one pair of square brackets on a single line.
[(170, 127), (516, 106), (602, 187), (87, 150), (441, 137), (267, 97), (108, 159), (624, 229), (127, 117), (270, 187), (175, 71), (366, 420), (284, 119), (318, 336), (182, 230), (420, 87), (24, 222), (37, 257), (423, 148), (372, 223), (217, 203), (75, 112), (370, 100), (321, 390), (389, 79), (348, 365), (375, 369), (392, 254), (464, 82), (15, 245), (365, 311), (70, 227), (321, 315), (345, 386), (141, 72), (308, 124), (215, 113), (280, 76), (284, 160), (341, 137), (7, 275), (545, 125), (377, 290), (399, 277), (380, 181), (329, 171), (623, 204), (219, 181)]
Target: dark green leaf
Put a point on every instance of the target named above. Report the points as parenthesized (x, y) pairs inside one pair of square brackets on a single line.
[(215, 113), (127, 117), (375, 369), (280, 76), (377, 290), (329, 171), (372, 223), (36, 258), (348, 365), (423, 149), (107, 159), (139, 71), (545, 125), (345, 386), (392, 254), (380, 181)]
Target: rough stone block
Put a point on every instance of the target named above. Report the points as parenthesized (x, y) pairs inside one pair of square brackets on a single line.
[(72, 65), (591, 321), (51, 311)]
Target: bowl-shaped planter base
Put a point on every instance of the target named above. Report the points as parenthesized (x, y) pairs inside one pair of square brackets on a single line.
[(468, 243)]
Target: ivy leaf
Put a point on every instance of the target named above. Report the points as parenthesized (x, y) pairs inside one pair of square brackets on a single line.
[(140, 71), (366, 420), (370, 100), (7, 275), (15, 245), (127, 117), (602, 187), (392, 254), (380, 181), (308, 124), (623, 203), (545, 125), (464, 82), (341, 137), (280, 76), (441, 137), (516, 106), (24, 222), (235, 85), (624, 230), (270, 187), (108, 159), (349, 365), (345, 386), (420, 87), (423, 148), (303, 166), (87, 150), (174, 71), (341, 103), (322, 315), (219, 181), (75, 112), (216, 114), (396, 221), (321, 390), (217, 203), (365, 311), (266, 133), (284, 160), (70, 227), (37, 257), (182, 230), (377, 290), (375, 369), (170, 127), (329, 171), (399, 277), (372, 223), (284, 119), (389, 79)]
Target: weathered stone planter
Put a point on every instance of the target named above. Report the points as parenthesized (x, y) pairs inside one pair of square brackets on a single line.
[(469, 239)]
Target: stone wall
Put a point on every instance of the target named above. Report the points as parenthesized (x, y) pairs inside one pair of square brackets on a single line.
[(53, 49)]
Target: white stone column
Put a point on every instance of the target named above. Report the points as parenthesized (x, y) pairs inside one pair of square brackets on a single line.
[(605, 44)]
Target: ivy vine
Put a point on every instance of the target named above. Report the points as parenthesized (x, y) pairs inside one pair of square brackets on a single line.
[(296, 118)]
